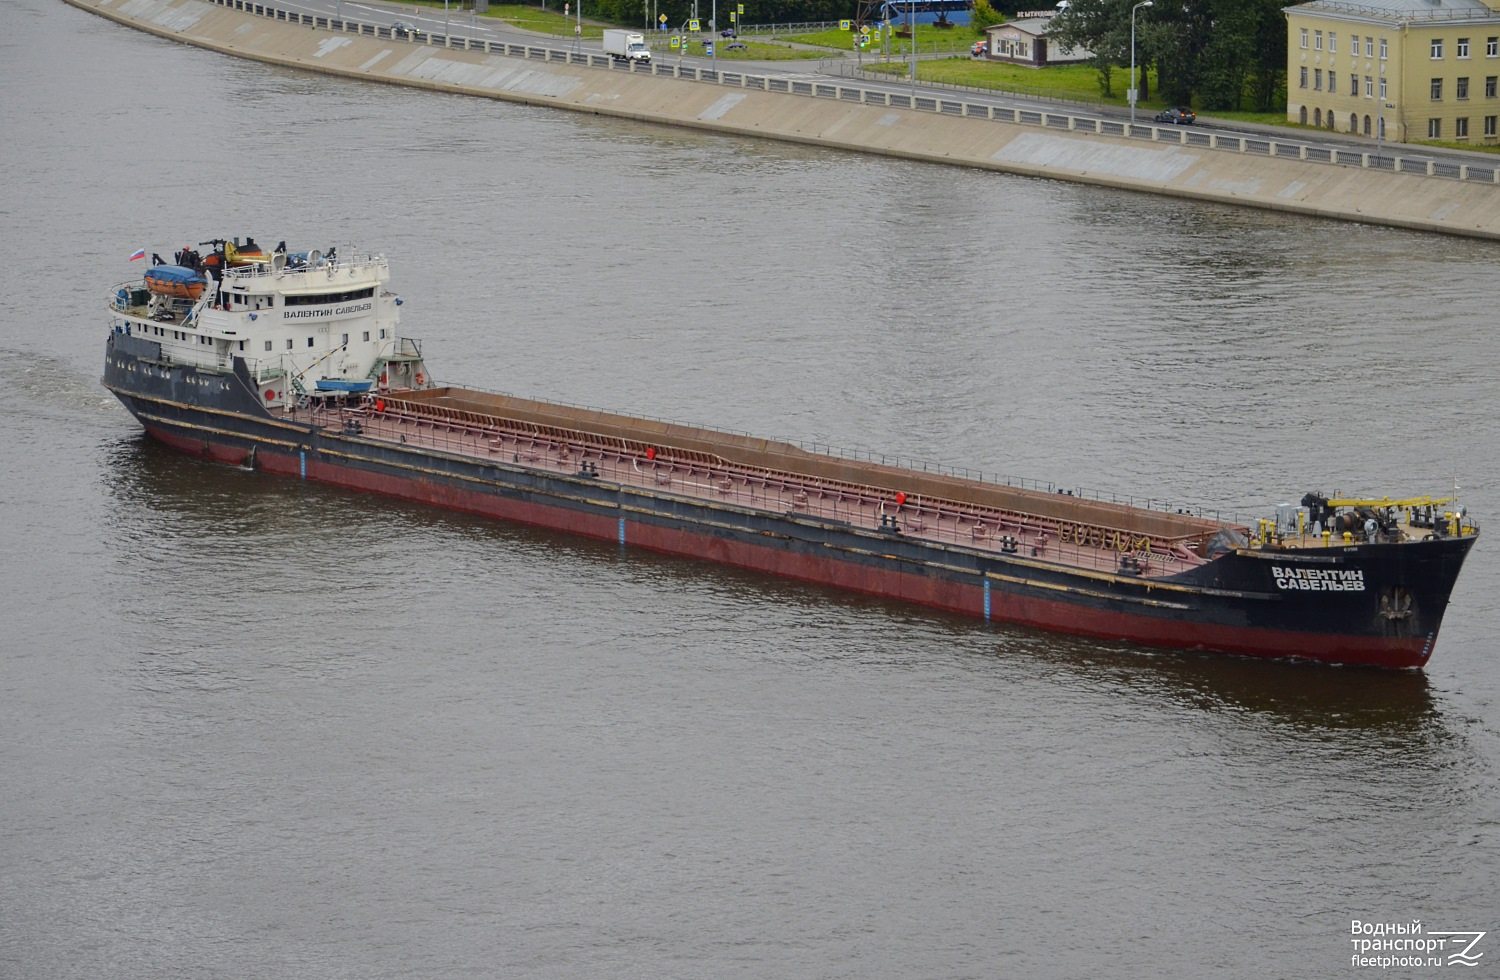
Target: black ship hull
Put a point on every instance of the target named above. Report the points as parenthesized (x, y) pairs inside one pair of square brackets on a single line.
[(1359, 604)]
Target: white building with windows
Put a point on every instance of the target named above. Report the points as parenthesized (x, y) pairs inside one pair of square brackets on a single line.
[(1024, 41)]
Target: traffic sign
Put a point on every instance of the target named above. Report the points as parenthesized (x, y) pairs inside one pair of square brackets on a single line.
[(662, 18), (844, 25), (693, 26)]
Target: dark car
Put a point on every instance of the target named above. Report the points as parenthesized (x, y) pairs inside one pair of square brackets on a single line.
[(1177, 116), (403, 28), (727, 32)]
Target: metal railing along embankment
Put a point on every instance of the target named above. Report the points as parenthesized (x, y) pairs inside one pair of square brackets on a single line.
[(887, 97)]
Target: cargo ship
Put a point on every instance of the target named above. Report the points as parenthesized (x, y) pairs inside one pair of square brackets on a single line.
[(293, 362)]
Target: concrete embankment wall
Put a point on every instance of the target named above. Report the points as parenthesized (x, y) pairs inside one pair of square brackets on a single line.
[(1348, 193)]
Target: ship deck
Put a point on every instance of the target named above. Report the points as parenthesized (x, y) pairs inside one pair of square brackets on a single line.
[(776, 478)]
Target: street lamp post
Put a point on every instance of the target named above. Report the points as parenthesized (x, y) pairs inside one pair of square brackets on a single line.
[(1133, 89), (911, 25), (1380, 127)]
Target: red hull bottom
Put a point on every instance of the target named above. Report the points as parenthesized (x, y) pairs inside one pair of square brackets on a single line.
[(886, 582)]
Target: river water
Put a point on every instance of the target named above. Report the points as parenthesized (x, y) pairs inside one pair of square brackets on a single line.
[(253, 727)]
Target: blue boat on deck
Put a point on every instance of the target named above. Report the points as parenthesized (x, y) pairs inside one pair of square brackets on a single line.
[(339, 384)]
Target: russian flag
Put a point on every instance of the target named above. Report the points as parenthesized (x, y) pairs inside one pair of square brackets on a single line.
[(140, 253)]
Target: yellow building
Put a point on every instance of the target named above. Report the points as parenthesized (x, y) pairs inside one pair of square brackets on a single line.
[(1422, 69)]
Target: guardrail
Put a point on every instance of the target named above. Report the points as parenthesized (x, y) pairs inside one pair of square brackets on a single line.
[(888, 97)]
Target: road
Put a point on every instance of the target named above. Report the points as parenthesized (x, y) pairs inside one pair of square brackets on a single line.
[(465, 24)]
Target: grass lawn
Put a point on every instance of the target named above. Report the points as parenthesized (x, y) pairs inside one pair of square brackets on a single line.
[(930, 40), (752, 50), (528, 18), (552, 21), (1077, 82)]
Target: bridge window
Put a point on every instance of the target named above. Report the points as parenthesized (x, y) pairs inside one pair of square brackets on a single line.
[(319, 299)]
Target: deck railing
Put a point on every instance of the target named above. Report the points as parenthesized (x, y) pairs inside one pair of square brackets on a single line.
[(616, 461), (914, 464)]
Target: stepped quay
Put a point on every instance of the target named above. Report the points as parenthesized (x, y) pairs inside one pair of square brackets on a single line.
[(836, 113)]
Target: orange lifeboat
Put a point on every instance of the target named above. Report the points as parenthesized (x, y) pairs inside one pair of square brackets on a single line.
[(175, 280)]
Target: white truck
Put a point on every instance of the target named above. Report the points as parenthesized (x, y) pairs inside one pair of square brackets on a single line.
[(627, 46)]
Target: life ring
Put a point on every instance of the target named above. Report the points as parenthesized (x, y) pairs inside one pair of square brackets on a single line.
[(421, 379)]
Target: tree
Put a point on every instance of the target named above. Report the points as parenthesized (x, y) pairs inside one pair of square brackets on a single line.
[(1095, 25), (983, 15), (1268, 81), (1220, 53)]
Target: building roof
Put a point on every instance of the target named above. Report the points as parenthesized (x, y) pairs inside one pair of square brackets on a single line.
[(1401, 9), (1035, 26)]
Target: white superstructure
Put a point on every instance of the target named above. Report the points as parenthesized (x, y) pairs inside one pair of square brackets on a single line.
[(302, 322)]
